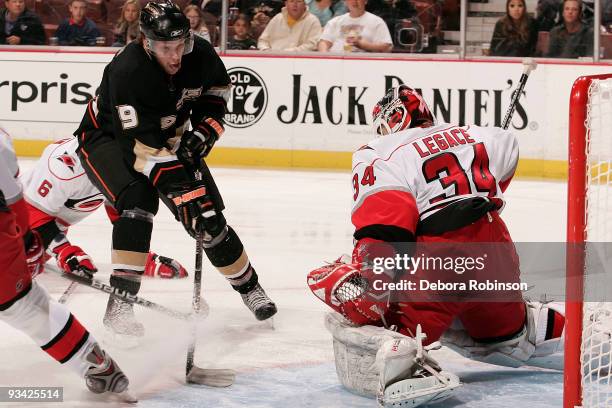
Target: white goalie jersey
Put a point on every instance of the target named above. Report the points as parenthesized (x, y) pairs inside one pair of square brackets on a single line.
[(424, 170), (58, 186)]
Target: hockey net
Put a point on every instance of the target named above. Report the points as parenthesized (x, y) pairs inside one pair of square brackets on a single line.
[(588, 372)]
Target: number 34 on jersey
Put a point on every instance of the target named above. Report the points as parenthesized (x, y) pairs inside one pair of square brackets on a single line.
[(435, 165)]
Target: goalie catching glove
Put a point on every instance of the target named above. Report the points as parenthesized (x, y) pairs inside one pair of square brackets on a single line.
[(347, 285), (197, 143)]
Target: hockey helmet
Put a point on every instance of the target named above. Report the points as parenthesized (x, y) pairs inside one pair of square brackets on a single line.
[(402, 107), (165, 22)]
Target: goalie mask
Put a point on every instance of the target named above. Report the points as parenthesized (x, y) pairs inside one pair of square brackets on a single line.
[(401, 108), (164, 27)]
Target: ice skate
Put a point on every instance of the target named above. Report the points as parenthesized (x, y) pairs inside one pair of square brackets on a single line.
[(259, 303), (121, 324), (104, 374)]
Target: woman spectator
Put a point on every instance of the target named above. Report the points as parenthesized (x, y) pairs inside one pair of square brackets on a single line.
[(325, 10), (196, 21), (127, 29), (515, 34), (241, 39)]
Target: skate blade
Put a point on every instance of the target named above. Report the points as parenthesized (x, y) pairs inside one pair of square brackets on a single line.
[(125, 396), (212, 377), (268, 323)]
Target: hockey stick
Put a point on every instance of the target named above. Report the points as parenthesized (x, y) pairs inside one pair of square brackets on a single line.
[(528, 66), (121, 294), (196, 375), (210, 377), (69, 290)]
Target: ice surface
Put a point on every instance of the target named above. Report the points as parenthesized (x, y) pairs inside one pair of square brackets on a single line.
[(290, 222)]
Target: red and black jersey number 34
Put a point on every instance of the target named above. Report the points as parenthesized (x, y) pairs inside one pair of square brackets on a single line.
[(367, 179), (456, 176)]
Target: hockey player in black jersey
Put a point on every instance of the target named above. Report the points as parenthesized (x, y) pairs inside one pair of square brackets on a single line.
[(134, 146)]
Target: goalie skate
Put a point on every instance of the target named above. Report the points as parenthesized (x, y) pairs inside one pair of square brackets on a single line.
[(121, 324), (259, 303), (409, 376)]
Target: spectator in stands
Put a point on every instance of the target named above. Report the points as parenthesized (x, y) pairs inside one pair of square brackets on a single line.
[(357, 30), (196, 21), (325, 10), (213, 7), (77, 29), (241, 39), (606, 15), (262, 12), (431, 19), (515, 34), (393, 12), (293, 29), (127, 28), (547, 14), (19, 26), (573, 38)]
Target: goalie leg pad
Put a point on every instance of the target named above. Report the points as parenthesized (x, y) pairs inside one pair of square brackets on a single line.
[(409, 377), (534, 345), (418, 391), (373, 361), (355, 351)]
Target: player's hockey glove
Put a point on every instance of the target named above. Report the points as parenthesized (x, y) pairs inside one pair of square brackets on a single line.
[(71, 258), (35, 252), (165, 268), (197, 143), (195, 208)]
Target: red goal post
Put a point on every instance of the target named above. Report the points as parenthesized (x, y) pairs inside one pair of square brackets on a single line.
[(589, 168)]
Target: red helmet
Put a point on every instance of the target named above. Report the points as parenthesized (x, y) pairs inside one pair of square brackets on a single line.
[(402, 107)]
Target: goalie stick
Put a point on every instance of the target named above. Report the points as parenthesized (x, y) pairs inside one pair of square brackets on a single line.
[(196, 375), (528, 66)]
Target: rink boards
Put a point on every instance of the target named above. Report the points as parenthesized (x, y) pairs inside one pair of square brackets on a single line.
[(308, 111)]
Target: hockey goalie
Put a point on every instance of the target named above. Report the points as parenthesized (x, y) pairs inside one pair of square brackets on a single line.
[(423, 183)]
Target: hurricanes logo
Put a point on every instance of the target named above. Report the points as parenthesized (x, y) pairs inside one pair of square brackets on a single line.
[(67, 160), (248, 99)]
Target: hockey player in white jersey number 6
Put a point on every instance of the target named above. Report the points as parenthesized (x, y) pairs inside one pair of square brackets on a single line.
[(59, 194), (428, 183)]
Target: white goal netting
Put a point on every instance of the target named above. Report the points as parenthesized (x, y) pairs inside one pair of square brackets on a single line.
[(596, 353)]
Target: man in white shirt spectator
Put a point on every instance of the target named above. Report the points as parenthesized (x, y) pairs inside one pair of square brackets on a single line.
[(356, 31), (293, 29)]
